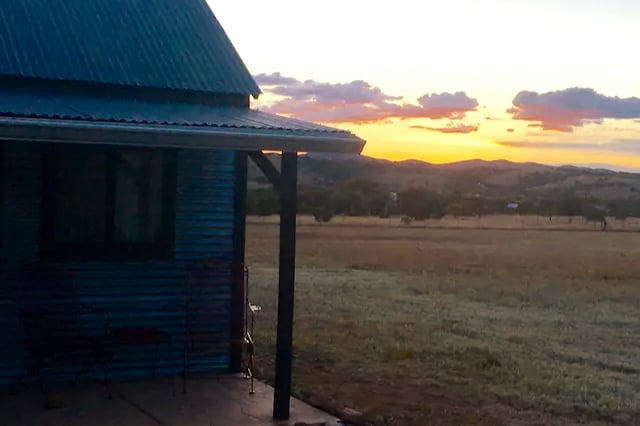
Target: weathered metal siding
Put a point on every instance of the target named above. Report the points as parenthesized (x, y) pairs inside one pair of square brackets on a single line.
[(2, 180), (204, 214), (21, 219), (137, 293), (20, 231), (204, 230)]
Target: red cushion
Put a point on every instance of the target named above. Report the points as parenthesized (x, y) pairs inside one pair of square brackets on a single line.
[(135, 335)]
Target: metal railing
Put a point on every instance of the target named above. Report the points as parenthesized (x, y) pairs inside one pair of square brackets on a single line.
[(249, 322)]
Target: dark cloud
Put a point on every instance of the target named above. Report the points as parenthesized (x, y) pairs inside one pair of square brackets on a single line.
[(356, 102), (451, 128), (511, 130), (273, 79), (447, 105), (355, 92), (563, 110), (619, 145)]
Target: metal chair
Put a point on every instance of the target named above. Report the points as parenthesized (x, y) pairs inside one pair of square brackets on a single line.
[(200, 341), (137, 336), (249, 322), (148, 336), (60, 334)]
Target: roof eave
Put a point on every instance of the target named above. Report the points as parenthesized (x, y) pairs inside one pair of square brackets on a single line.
[(172, 136)]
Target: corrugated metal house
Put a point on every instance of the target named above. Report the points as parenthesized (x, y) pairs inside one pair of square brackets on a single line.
[(125, 130)]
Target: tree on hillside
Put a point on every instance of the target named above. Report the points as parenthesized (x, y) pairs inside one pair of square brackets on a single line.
[(570, 206), (421, 203), (526, 207), (470, 205), (317, 203), (621, 209), (595, 214), (263, 202), (548, 207), (360, 197), (477, 205)]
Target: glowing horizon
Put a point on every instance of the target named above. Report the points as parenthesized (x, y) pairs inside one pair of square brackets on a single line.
[(487, 79)]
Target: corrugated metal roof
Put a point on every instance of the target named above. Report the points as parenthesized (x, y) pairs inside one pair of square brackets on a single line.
[(116, 115), (144, 43), (42, 104)]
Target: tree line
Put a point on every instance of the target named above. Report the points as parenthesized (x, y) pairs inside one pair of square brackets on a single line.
[(360, 197)]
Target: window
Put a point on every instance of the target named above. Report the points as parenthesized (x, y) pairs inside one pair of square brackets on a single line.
[(104, 202)]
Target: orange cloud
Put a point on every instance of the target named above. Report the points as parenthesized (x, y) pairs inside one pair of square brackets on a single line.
[(356, 102), (450, 128)]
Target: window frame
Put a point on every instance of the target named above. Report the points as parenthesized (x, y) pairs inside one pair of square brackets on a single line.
[(110, 249)]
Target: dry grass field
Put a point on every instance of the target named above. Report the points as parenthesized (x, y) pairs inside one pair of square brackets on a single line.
[(506, 321)]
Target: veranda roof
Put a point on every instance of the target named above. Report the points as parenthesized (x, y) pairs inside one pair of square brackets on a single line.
[(58, 116)]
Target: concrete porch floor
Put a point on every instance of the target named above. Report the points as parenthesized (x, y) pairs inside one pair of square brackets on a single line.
[(219, 401)]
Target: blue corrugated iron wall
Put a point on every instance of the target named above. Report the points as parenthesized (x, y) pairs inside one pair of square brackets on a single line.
[(20, 231), (140, 293), (21, 216)]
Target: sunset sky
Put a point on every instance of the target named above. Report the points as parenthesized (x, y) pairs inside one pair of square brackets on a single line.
[(551, 81)]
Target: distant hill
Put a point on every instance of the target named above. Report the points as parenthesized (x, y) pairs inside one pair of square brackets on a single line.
[(489, 178)]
